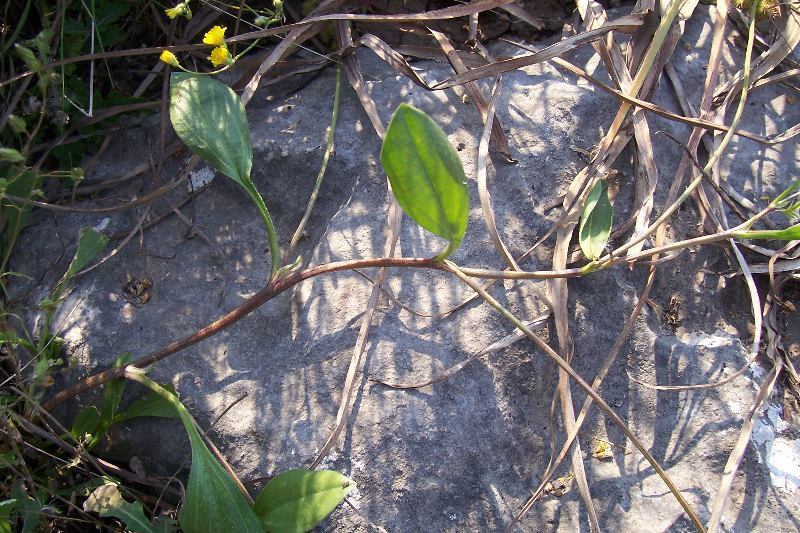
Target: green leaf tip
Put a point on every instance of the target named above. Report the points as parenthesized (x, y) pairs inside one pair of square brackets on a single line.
[(426, 175), (298, 500)]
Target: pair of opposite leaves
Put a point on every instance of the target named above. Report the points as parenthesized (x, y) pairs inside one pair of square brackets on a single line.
[(423, 168)]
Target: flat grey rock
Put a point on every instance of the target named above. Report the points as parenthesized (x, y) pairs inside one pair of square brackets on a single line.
[(465, 453)]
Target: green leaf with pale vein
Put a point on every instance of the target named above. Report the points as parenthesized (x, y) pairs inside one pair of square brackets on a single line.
[(209, 117), (595, 223), (426, 174)]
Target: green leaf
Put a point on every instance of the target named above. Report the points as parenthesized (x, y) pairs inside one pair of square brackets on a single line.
[(11, 155), (30, 59), (298, 500), (88, 422), (27, 508), (96, 422), (18, 124), (112, 393), (6, 507), (426, 174), (595, 225), (213, 500), (20, 183), (42, 42), (791, 189), (107, 501), (152, 404), (209, 117), (792, 211), (90, 243)]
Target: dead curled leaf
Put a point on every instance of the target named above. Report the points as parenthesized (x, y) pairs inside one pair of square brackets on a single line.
[(103, 498), (560, 486), (603, 451)]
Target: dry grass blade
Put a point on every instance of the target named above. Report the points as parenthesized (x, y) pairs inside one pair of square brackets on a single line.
[(755, 305), (498, 136), (579, 186), (522, 14), (282, 71), (585, 386), (660, 111), (558, 292), (780, 266), (788, 31), (457, 11), (392, 57), (623, 24), (735, 458), (483, 190), (357, 360), (281, 50), (470, 60), (329, 148), (356, 79), (646, 171), (598, 380), (495, 347), (395, 217), (144, 200)]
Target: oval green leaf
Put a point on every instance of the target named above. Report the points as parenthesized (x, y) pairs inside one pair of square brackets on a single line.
[(298, 500), (426, 174), (209, 117), (596, 218)]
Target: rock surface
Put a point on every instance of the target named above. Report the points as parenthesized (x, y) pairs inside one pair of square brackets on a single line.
[(465, 453)]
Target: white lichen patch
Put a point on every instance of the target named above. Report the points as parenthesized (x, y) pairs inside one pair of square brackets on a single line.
[(779, 453), (199, 178), (103, 224)]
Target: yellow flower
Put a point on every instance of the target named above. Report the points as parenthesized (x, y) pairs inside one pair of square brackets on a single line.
[(179, 10), (215, 36), (169, 58), (220, 56)]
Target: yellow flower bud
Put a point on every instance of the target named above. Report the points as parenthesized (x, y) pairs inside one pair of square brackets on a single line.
[(215, 36), (180, 10), (169, 58)]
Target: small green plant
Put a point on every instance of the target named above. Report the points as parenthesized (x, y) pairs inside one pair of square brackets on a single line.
[(295, 500), (209, 117), (428, 181)]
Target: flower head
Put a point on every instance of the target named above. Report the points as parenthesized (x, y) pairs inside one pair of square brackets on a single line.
[(220, 56), (180, 10), (215, 36), (169, 58)]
